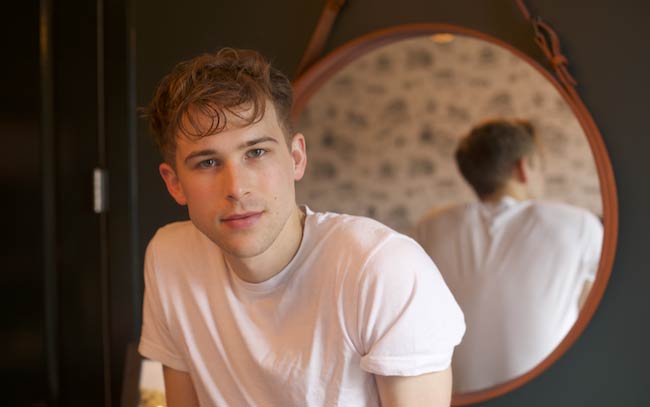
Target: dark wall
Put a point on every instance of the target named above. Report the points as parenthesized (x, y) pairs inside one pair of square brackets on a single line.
[(605, 43), (22, 313), (58, 344)]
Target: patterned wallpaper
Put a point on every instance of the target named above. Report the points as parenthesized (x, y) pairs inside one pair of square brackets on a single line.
[(382, 132)]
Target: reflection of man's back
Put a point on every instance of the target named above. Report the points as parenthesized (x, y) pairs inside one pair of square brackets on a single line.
[(517, 269)]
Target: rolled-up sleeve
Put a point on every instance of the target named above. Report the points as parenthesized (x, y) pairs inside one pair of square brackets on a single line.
[(408, 320)]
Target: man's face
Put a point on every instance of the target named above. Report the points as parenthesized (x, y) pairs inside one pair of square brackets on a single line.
[(238, 184)]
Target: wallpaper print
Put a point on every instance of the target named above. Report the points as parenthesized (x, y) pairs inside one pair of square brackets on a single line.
[(382, 132)]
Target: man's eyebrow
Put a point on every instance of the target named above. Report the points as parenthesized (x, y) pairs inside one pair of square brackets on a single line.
[(200, 153), (257, 141)]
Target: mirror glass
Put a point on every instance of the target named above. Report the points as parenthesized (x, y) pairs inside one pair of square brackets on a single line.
[(381, 135)]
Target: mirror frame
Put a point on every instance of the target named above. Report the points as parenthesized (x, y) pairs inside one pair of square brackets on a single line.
[(310, 81)]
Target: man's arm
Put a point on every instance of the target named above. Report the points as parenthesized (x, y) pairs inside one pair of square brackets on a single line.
[(431, 390), (586, 288), (179, 389)]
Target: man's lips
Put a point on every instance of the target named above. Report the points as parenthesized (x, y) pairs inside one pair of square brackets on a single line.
[(241, 220)]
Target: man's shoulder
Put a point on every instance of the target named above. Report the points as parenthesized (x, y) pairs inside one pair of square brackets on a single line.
[(365, 244), (179, 251), (443, 216), (176, 236), (352, 232), (175, 230), (560, 211), (350, 225), (571, 219)]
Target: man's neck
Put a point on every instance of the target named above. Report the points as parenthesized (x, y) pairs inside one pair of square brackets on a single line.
[(266, 265), (514, 191)]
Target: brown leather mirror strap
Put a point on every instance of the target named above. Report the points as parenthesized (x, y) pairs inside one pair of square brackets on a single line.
[(320, 34)]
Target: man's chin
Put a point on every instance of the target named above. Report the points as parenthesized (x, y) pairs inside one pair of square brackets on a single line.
[(237, 246), (241, 250)]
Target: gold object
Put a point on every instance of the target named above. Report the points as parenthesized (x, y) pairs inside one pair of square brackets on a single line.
[(152, 398)]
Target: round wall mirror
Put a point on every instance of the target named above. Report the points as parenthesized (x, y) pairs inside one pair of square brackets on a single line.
[(383, 116)]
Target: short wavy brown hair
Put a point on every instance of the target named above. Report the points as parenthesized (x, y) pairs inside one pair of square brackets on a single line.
[(487, 155), (216, 85)]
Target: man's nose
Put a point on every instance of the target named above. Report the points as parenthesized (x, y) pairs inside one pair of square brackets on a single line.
[(235, 182)]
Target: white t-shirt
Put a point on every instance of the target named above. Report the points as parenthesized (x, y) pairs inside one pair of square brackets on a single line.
[(357, 299), (517, 270)]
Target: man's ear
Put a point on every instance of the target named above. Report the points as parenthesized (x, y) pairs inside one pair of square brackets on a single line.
[(299, 155), (520, 171), (172, 182)]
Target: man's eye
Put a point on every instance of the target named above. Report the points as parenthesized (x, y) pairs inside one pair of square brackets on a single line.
[(209, 163), (255, 153)]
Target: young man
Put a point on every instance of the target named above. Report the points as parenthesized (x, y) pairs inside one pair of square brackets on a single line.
[(259, 302), (520, 268)]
